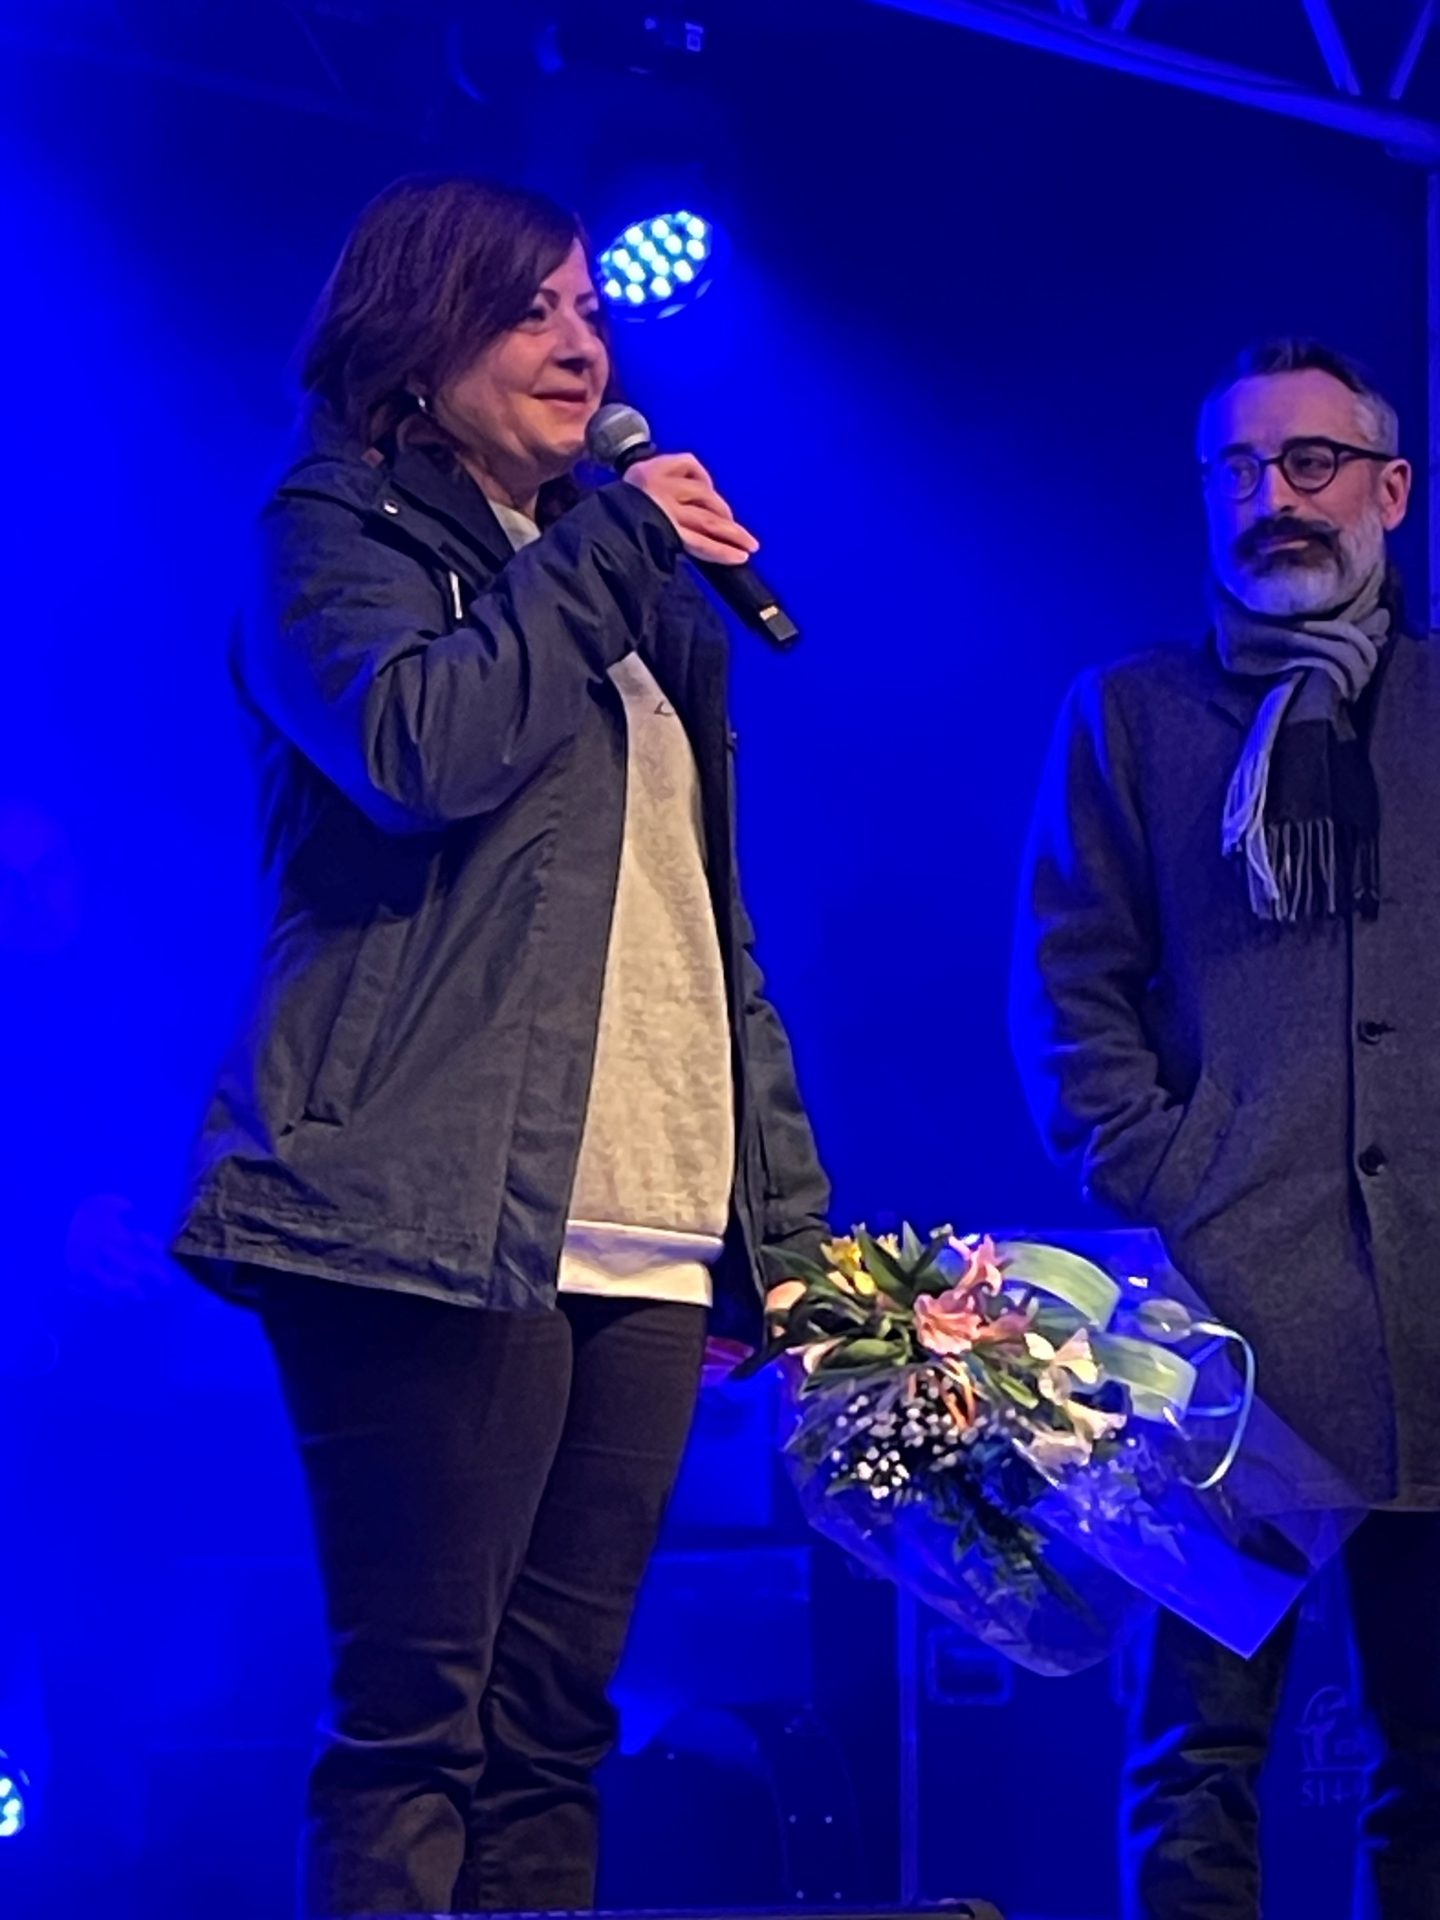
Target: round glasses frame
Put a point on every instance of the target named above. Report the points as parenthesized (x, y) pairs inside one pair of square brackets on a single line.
[(1309, 465)]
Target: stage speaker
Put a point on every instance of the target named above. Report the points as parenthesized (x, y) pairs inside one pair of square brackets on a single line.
[(1039, 1743)]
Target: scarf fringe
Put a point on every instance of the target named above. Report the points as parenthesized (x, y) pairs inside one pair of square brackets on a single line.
[(1327, 864), (1303, 873)]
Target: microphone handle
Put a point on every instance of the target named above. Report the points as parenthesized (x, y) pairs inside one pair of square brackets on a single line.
[(741, 588), (747, 595)]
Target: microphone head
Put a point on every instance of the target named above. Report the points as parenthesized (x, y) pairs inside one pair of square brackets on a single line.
[(614, 432)]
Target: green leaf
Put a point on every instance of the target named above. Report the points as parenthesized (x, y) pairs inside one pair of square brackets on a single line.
[(1157, 1378), (1016, 1389), (827, 1289), (830, 1323), (929, 1275), (799, 1266), (863, 1353), (1079, 1283), (822, 1314), (1056, 1322), (884, 1269)]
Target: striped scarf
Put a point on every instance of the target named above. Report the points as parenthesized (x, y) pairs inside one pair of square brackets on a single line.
[(1302, 810)]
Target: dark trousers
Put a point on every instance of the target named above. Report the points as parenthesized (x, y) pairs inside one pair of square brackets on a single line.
[(1202, 1726), (486, 1489)]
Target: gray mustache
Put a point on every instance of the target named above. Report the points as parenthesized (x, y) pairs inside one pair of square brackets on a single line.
[(1286, 527)]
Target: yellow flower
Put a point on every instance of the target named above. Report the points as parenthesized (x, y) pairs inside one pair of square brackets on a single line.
[(1076, 1357), (1063, 1367), (845, 1254)]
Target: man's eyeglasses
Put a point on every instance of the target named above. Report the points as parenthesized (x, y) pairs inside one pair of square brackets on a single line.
[(1308, 465)]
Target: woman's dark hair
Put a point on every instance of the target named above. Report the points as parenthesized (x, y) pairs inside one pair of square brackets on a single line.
[(434, 269)]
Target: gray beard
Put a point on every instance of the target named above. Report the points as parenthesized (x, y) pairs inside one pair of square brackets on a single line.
[(1300, 588), (1287, 590)]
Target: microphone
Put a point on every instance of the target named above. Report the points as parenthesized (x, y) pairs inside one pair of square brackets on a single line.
[(617, 437)]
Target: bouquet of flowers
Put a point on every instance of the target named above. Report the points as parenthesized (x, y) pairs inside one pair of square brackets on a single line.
[(1038, 1447)]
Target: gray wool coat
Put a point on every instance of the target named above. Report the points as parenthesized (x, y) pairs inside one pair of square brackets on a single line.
[(1268, 1097)]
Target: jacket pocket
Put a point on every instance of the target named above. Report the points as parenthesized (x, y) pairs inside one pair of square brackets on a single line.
[(1174, 1190), (351, 1039)]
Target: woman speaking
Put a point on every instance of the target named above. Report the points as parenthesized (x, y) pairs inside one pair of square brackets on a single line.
[(509, 1116)]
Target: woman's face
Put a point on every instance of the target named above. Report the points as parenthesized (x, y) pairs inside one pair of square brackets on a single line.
[(519, 412)]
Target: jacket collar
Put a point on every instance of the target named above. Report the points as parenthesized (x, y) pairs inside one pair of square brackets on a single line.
[(1236, 695), (457, 506), (442, 511)]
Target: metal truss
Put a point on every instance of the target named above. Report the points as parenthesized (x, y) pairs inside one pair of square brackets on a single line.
[(1355, 67), (1360, 99), (1369, 97), (320, 57)]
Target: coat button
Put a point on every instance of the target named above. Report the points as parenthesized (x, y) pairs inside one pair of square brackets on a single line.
[(1372, 1161), (1372, 1032)]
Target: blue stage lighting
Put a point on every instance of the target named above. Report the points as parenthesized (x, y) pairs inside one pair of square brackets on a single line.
[(659, 266), (13, 1788)]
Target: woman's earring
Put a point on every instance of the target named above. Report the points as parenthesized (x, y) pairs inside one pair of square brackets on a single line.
[(422, 401)]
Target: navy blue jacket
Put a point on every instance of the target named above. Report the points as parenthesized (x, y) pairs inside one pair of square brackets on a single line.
[(1268, 1097), (443, 778)]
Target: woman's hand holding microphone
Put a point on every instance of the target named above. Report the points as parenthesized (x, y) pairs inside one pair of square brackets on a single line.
[(686, 494)]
